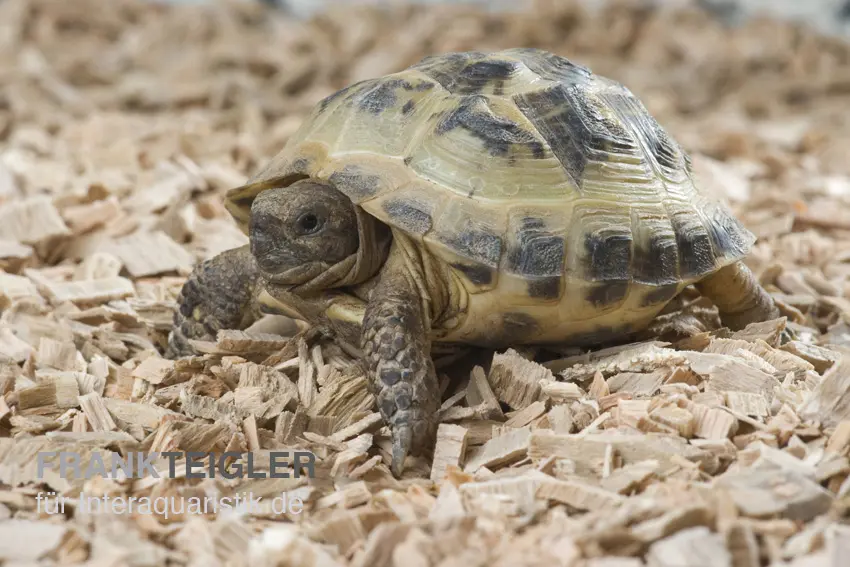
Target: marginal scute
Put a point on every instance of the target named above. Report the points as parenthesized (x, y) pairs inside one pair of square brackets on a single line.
[(536, 253), (656, 257), (730, 238), (608, 255), (517, 326), (476, 243), (412, 215), (356, 183), (477, 275), (607, 294), (696, 253)]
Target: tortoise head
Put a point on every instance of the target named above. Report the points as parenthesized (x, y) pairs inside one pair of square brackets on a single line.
[(309, 236)]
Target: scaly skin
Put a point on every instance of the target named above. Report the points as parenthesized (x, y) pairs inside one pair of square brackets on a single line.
[(397, 356), (219, 294), (738, 296)]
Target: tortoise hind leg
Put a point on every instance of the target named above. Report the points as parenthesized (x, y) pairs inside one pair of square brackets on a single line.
[(738, 296), (396, 349), (219, 294)]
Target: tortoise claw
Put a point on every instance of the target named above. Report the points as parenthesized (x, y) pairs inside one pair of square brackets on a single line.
[(402, 442)]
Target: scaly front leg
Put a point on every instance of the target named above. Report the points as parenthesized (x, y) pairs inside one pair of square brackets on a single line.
[(397, 350), (219, 294)]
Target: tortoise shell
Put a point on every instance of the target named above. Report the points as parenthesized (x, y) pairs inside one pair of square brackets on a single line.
[(565, 211)]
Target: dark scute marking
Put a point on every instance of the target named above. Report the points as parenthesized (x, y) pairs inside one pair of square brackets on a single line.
[(689, 166), (608, 256), (408, 160), (497, 133), (476, 243), (696, 255), (518, 328), (342, 93), (607, 293), (551, 112), (479, 275), (408, 107), (728, 235), (545, 288), (660, 295), (382, 96), (476, 76), (352, 181), (409, 215), (446, 68), (665, 150), (658, 263), (551, 66), (538, 252)]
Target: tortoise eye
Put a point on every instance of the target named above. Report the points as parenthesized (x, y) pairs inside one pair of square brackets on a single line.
[(308, 223)]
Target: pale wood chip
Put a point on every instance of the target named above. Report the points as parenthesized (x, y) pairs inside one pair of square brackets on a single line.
[(768, 331), (742, 544), (28, 541), (154, 369), (588, 451), (560, 392), (14, 288), (767, 489), (829, 402), (726, 373), (31, 221), (839, 441), (754, 405), (499, 451), (12, 347), (133, 413), (678, 419), (671, 522), (479, 393), (512, 495), (693, 547), (516, 380), (526, 415), (367, 423), (577, 494), (86, 291), (638, 383), (712, 423), (625, 479), (639, 357), (449, 450), (97, 413), (150, 253)]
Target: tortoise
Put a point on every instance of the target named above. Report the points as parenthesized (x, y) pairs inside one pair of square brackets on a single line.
[(490, 199)]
